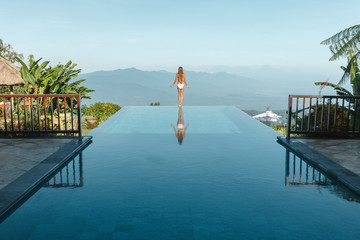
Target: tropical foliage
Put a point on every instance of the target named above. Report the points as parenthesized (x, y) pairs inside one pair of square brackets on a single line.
[(339, 90), (343, 41), (336, 119), (346, 43), (40, 78), (352, 73)]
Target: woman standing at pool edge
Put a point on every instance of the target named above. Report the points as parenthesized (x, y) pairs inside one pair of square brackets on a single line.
[(180, 77)]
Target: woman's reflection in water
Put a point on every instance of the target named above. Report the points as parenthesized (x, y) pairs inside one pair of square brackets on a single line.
[(180, 132)]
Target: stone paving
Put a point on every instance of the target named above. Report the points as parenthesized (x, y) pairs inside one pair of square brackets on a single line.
[(19, 155), (345, 152)]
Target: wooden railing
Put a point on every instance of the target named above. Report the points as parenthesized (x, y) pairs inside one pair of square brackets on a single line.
[(324, 115), (40, 115)]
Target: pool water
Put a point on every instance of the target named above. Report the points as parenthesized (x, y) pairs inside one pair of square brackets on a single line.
[(226, 180)]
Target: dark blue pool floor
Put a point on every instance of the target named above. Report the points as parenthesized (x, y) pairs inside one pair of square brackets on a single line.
[(225, 181)]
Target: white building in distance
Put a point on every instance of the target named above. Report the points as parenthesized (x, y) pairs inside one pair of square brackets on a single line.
[(270, 118)]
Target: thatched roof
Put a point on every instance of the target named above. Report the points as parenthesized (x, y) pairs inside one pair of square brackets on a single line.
[(9, 74)]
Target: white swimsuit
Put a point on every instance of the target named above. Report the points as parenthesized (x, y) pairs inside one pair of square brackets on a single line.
[(180, 85)]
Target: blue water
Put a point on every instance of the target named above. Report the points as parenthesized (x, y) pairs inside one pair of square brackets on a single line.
[(225, 181)]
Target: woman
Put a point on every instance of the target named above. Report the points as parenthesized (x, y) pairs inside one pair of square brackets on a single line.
[(180, 77)]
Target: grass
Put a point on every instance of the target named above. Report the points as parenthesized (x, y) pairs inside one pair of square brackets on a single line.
[(85, 131), (280, 129)]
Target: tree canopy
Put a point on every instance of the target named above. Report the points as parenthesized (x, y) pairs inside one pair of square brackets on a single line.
[(7, 52)]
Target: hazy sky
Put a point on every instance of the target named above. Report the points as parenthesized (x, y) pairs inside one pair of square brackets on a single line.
[(111, 34)]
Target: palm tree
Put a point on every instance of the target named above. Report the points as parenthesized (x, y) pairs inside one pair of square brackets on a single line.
[(343, 41), (346, 43), (352, 73)]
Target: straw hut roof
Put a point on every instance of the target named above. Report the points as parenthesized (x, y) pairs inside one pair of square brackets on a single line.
[(9, 74)]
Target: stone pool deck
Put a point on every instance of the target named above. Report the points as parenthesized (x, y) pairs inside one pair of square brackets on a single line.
[(25, 163), (337, 158)]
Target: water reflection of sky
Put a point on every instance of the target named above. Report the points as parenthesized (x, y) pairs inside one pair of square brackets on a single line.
[(157, 120)]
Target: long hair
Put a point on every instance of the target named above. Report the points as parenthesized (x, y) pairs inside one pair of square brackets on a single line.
[(180, 72)]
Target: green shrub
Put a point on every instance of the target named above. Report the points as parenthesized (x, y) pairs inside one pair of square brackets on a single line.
[(85, 110), (101, 110), (155, 104), (325, 117)]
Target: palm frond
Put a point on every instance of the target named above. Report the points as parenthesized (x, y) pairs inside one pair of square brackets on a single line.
[(340, 43), (340, 50), (351, 31)]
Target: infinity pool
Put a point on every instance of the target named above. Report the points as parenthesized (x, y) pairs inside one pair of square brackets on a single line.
[(199, 173)]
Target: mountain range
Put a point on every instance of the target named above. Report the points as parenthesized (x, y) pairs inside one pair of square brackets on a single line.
[(136, 87)]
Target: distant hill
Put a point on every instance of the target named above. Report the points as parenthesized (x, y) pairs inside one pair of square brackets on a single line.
[(135, 87)]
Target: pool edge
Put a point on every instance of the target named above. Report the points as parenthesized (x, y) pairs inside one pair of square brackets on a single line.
[(31, 181), (335, 171)]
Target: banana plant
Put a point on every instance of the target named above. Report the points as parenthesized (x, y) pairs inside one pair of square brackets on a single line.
[(339, 90), (35, 76), (44, 79), (40, 78)]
